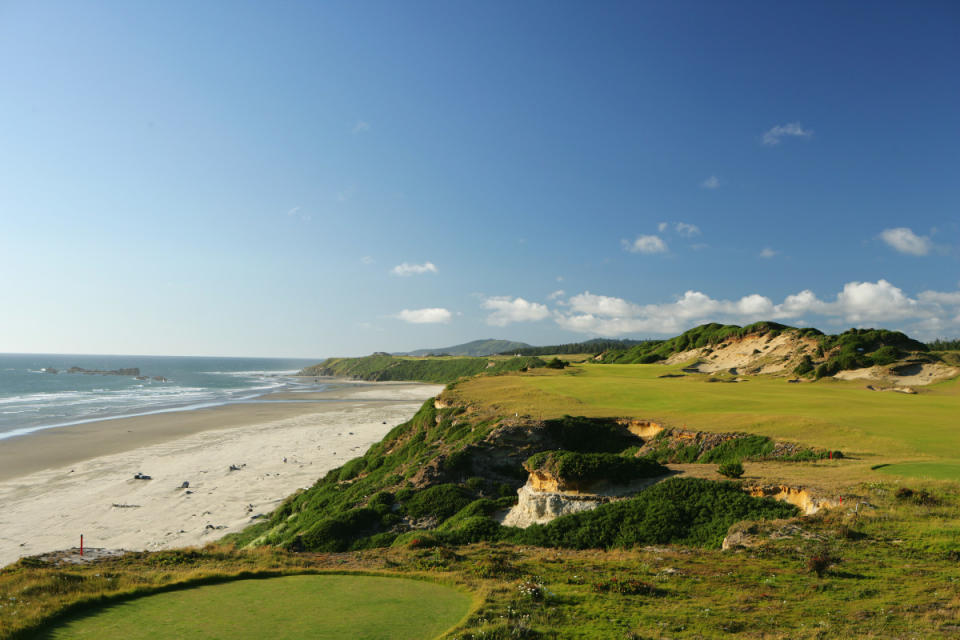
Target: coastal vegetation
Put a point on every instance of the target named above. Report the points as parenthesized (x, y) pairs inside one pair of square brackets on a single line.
[(686, 511), (942, 344), (585, 469), (820, 355), (891, 572), (859, 544)]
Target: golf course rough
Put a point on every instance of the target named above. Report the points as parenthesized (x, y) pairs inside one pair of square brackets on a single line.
[(334, 607)]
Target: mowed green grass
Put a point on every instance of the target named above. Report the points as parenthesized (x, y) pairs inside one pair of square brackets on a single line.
[(341, 607), (834, 414), (934, 470)]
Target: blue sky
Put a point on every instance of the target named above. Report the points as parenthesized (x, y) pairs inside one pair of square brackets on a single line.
[(312, 179)]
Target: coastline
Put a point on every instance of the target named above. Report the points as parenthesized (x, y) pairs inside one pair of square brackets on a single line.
[(69, 444), (58, 483)]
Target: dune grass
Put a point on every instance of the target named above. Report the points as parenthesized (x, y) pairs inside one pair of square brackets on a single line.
[(833, 414), (291, 607)]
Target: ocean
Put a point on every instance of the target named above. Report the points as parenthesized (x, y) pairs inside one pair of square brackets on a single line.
[(32, 397)]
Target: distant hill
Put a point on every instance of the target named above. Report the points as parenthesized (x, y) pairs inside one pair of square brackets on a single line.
[(481, 348), (597, 345)]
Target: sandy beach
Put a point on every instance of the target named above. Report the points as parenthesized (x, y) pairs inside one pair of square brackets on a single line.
[(60, 483)]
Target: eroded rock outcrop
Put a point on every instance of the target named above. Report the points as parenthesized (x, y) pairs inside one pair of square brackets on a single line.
[(539, 507), (545, 497), (799, 497), (132, 371), (642, 428)]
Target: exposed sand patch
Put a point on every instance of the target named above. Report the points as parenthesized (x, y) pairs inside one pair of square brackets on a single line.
[(915, 374), (99, 497), (751, 354)]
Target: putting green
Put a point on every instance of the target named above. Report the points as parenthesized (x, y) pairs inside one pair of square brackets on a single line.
[(934, 470), (334, 607)]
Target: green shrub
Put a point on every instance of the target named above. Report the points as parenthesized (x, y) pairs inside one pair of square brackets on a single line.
[(886, 355), (416, 540), (382, 502), (469, 530), (805, 366), (458, 462), (441, 501), (337, 533), (679, 510), (352, 469), (737, 449), (730, 469), (590, 434), (483, 507), (587, 468)]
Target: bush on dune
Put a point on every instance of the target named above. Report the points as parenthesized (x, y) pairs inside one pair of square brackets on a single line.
[(679, 510)]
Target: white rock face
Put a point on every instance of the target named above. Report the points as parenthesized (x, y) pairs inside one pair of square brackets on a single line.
[(536, 507)]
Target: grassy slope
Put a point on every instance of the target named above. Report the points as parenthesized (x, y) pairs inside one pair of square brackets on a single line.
[(290, 607), (834, 414)]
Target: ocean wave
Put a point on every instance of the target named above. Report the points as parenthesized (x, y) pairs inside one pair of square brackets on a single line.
[(31, 409), (250, 374)]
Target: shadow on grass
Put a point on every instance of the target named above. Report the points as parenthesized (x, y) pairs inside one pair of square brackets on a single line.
[(846, 575)]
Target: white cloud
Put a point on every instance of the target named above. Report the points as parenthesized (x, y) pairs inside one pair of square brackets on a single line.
[(507, 310), (687, 230), (871, 301), (858, 303), (556, 294), (793, 129), (646, 244), (713, 182), (361, 127), (663, 226), (768, 253), (407, 269), (906, 241), (938, 297), (435, 315), (589, 303)]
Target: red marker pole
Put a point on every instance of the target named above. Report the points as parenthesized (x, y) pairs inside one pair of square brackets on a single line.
[(81, 544)]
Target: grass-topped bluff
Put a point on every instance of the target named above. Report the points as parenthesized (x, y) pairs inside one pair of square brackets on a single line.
[(446, 474), (382, 367)]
